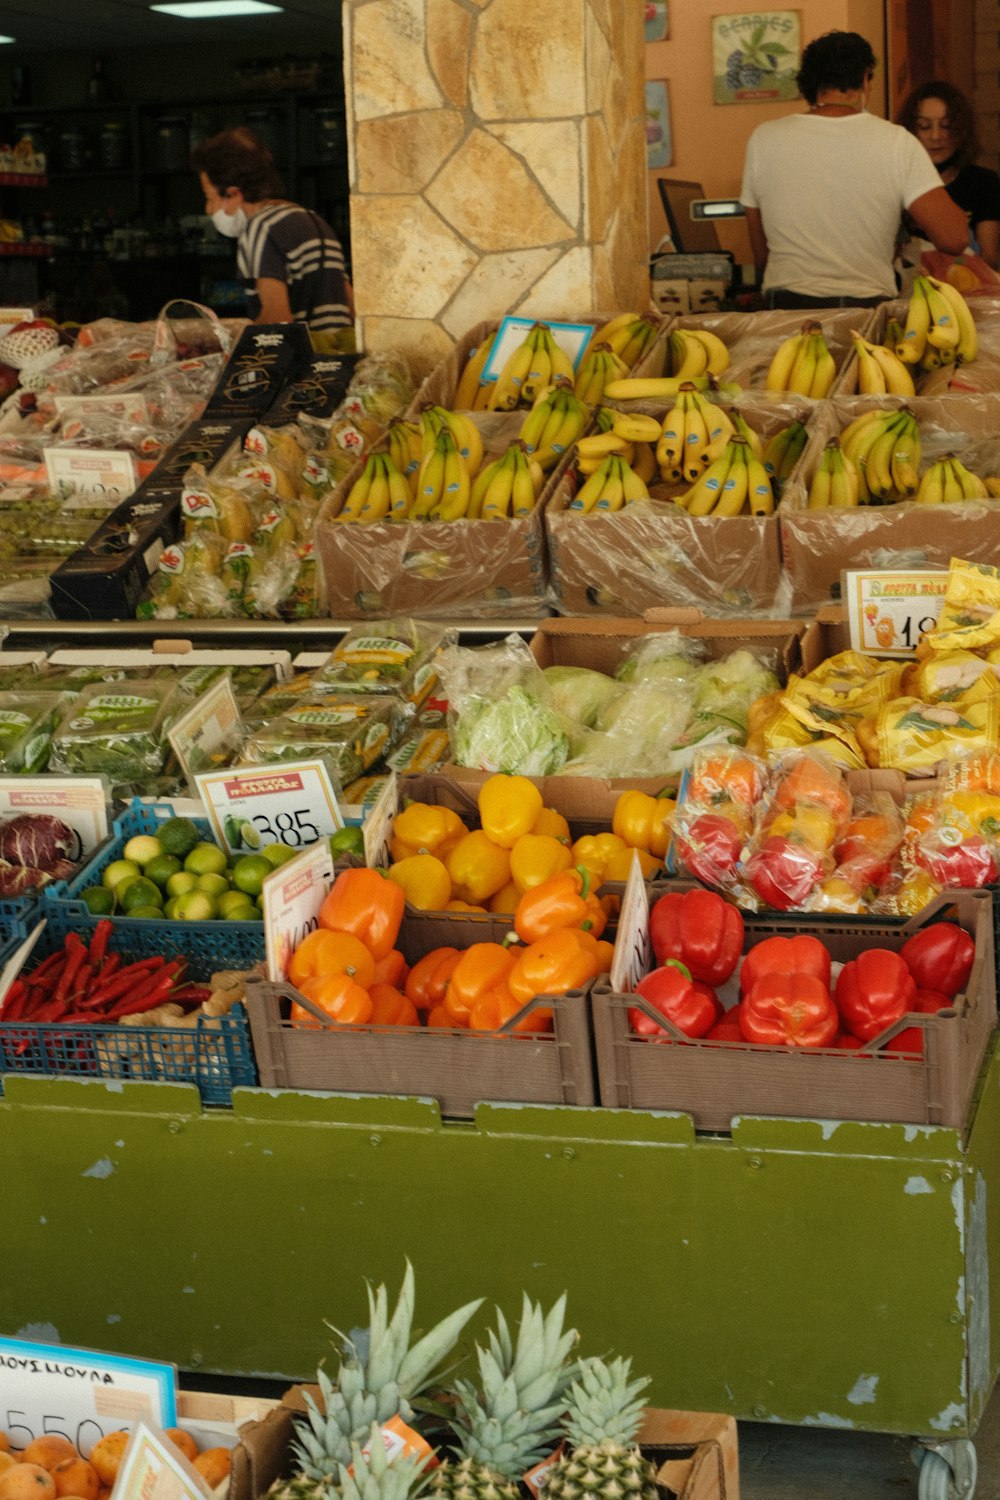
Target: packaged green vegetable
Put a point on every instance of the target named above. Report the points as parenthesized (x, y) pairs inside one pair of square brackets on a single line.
[(386, 656), (27, 722), (115, 729)]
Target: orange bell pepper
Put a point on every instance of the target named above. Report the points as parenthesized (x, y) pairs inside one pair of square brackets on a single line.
[(392, 969), (553, 824), (424, 828), (553, 965), (340, 996), (428, 979), (322, 952), (643, 821), (535, 857), (424, 881), (508, 808), (365, 903), (478, 867), (480, 969), (495, 1009), (564, 900), (390, 1008)]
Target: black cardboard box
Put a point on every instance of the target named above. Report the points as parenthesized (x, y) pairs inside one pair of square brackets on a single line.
[(267, 356)]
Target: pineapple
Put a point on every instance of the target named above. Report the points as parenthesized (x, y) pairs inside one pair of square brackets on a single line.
[(374, 1476), (371, 1386), (603, 1416), (512, 1421)]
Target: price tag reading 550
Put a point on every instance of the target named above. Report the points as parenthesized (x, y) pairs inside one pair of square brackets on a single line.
[(292, 803)]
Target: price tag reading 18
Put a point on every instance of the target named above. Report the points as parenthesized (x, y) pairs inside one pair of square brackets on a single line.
[(888, 612), (292, 803)]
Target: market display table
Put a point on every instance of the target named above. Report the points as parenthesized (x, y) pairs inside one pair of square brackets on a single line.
[(799, 1271)]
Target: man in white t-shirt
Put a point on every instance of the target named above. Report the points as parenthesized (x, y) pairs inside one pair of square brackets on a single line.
[(825, 191)]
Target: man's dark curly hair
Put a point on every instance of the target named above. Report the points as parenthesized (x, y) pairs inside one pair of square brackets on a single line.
[(838, 60), (960, 115), (236, 158)]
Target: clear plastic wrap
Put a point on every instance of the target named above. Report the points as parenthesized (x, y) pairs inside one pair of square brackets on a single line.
[(386, 656), (27, 723), (116, 730), (499, 714), (348, 734)]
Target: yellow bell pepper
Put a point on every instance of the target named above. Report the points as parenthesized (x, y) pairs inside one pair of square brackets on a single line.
[(424, 879), (508, 808), (479, 866), (643, 821), (808, 823), (594, 850), (424, 828), (972, 812), (535, 857), (619, 866), (553, 824), (505, 899)]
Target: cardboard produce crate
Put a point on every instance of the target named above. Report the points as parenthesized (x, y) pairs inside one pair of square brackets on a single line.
[(981, 376), (817, 544), (716, 1081)]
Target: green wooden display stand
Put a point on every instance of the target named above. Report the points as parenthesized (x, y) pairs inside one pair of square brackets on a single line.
[(798, 1271)]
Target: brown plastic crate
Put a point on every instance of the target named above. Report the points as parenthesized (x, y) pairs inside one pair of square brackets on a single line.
[(457, 1068), (715, 1081)]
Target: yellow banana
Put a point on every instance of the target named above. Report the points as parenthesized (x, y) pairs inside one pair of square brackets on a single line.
[(942, 328), (600, 444), (972, 486), (843, 482), (702, 497), (600, 367), (569, 417), (718, 354), (871, 381), (509, 384), (468, 438), (612, 496), (357, 495), (760, 491), (430, 482), (534, 424), (376, 507), (480, 485), (905, 462), (607, 331), (992, 484), (400, 494), (737, 482), (951, 491), (878, 470), (635, 427), (591, 490), (803, 372), (821, 483), (783, 450), (563, 372), (522, 490), (968, 339), (641, 334), (931, 488), (783, 362), (497, 499), (688, 356), (876, 416), (826, 368), (695, 453), (635, 485), (540, 374), (649, 387), (911, 345), (744, 430), (454, 499), (898, 380), (470, 378), (670, 443)]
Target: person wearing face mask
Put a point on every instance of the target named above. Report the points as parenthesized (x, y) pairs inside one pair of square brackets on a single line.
[(289, 258), (942, 119), (825, 190)]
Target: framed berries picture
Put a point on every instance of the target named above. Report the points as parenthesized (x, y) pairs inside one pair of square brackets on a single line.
[(755, 56)]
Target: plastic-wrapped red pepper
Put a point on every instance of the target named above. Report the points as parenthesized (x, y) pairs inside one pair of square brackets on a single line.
[(969, 864), (671, 990), (701, 929), (789, 1010), (779, 955), (940, 957), (783, 872), (709, 848), (874, 990)]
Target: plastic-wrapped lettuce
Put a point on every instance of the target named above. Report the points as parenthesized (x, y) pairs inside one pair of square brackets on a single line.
[(27, 722), (500, 715), (665, 656), (580, 693), (347, 733), (115, 729), (385, 656)]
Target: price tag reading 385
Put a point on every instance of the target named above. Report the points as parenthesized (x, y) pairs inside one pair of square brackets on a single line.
[(288, 803)]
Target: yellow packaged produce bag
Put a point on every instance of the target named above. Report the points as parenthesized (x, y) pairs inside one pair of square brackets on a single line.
[(970, 617), (947, 675), (914, 736)]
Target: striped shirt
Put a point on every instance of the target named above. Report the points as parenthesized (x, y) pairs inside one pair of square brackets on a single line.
[(292, 244)]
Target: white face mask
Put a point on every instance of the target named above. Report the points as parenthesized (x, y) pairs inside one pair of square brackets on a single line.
[(231, 225)]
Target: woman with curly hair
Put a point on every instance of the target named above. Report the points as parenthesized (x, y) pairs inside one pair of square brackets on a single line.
[(942, 119)]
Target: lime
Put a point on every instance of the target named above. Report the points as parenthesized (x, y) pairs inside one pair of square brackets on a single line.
[(259, 903), (118, 870), (348, 840), (177, 836), (170, 909), (212, 885), (98, 899), (205, 859), (249, 836), (196, 906), (160, 869), (251, 872), (278, 854), (233, 901), (181, 882), (138, 892), (146, 911), (142, 848), (246, 913)]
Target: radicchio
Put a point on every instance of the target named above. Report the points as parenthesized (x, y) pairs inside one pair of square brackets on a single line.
[(16, 879), (35, 839)]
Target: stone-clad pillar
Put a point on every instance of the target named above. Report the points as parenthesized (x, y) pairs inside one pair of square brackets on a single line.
[(498, 163)]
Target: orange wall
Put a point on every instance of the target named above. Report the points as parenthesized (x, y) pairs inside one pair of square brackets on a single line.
[(709, 139)]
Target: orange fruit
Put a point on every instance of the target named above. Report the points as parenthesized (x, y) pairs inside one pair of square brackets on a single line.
[(106, 1455), (4, 1443), (213, 1465), (6, 1459), (76, 1477), (104, 1493), (48, 1450), (182, 1440), (27, 1482)]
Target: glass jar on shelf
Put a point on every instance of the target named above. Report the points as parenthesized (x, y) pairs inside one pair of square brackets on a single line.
[(113, 144)]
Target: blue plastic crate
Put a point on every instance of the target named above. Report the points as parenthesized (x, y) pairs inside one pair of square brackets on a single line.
[(216, 1058)]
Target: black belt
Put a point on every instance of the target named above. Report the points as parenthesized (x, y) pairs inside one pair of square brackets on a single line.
[(780, 298)]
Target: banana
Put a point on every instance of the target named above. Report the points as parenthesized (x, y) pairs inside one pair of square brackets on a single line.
[(591, 490), (540, 374), (400, 494), (871, 380), (644, 463), (430, 481), (718, 423), (972, 486), (820, 485), (468, 438), (480, 485), (522, 490), (635, 483), (911, 346), (843, 481), (702, 497), (470, 379), (826, 368), (635, 427), (968, 339), (898, 380), (600, 444), (607, 331), (931, 487), (783, 362), (641, 334), (454, 500), (878, 470), (782, 451), (612, 496), (737, 482), (803, 372), (534, 424), (688, 356), (905, 462), (866, 419), (568, 421), (760, 490), (648, 388), (497, 499), (670, 443), (951, 490), (695, 453), (718, 353), (942, 328), (509, 384), (357, 495), (376, 506), (596, 370), (992, 487)]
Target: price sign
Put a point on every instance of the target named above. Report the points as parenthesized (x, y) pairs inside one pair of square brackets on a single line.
[(211, 724), (293, 896), (632, 941), (572, 339), (105, 476), (79, 1394), (81, 802), (377, 826), (290, 803), (127, 406), (152, 1468), (889, 611)]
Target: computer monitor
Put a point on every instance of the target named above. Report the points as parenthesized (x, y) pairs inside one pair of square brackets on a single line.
[(690, 236)]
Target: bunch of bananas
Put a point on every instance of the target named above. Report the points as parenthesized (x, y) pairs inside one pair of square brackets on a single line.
[(628, 336), (939, 326), (537, 362), (694, 433), (696, 351), (613, 484), (620, 435), (597, 368), (424, 474), (735, 479), (834, 485), (782, 453), (948, 481), (509, 486), (380, 493), (881, 372), (803, 364), (884, 447), (472, 391), (553, 424)]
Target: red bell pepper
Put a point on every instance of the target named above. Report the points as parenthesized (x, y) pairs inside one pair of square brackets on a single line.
[(727, 1028), (789, 1010), (671, 990), (873, 991), (928, 1003), (969, 864), (710, 847), (701, 929), (780, 955), (940, 957), (783, 872)]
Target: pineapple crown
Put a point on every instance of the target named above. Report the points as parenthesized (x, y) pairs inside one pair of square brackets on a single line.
[(512, 1420), (604, 1405), (376, 1386), (373, 1475)]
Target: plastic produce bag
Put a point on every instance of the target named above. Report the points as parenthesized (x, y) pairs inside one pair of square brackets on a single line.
[(500, 716), (27, 722), (115, 729), (386, 656)]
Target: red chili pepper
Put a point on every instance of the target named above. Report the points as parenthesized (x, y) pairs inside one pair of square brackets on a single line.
[(780, 955), (789, 1010), (672, 992), (52, 1010), (940, 957), (81, 982), (144, 996), (191, 994), (701, 929), (783, 872), (99, 941), (131, 974), (76, 952), (710, 848), (48, 966), (873, 990), (13, 1001)]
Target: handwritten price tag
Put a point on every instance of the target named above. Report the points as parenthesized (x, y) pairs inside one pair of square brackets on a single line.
[(293, 896), (79, 1394), (377, 827), (211, 724), (632, 942), (153, 1468), (289, 803), (80, 801), (889, 611), (104, 475)]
